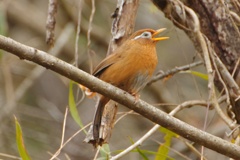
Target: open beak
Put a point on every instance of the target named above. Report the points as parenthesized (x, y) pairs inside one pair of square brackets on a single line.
[(159, 38)]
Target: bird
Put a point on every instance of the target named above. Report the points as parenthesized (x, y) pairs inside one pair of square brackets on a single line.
[(129, 68)]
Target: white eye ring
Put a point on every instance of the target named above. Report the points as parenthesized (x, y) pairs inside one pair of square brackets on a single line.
[(144, 35)]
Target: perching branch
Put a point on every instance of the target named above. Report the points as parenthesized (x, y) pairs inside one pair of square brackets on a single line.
[(141, 107)]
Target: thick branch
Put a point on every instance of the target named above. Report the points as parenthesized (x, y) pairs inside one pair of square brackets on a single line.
[(123, 22), (141, 107)]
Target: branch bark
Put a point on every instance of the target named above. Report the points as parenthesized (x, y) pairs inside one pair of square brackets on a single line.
[(141, 107)]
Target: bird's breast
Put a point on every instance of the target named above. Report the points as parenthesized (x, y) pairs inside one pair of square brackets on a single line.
[(132, 72)]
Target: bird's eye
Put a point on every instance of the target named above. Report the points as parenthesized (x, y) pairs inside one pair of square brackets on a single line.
[(146, 34)]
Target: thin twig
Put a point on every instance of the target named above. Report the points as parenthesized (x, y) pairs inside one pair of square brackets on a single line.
[(96, 154), (173, 71), (64, 126), (122, 116), (10, 156), (179, 154), (67, 157), (8, 81), (78, 31), (89, 34), (67, 141), (63, 133), (227, 77), (235, 17), (190, 146), (229, 106), (236, 67)]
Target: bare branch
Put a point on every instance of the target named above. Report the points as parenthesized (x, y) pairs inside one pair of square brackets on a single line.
[(78, 31), (51, 21), (174, 71)]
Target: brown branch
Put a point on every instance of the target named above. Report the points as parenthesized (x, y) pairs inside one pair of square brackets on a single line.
[(123, 22), (51, 21), (173, 71), (141, 107)]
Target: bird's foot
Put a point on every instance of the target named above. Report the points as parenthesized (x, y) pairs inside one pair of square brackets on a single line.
[(137, 97)]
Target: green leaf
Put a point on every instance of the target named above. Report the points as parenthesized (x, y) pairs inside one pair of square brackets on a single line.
[(198, 74), (3, 25), (20, 143), (163, 150), (148, 152), (139, 150), (105, 152), (73, 107)]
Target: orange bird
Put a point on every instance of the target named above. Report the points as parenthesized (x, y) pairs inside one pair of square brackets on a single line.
[(129, 67)]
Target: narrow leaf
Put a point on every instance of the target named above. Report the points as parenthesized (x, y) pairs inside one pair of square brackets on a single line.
[(73, 107), (139, 150), (20, 143), (198, 74), (105, 152), (163, 149)]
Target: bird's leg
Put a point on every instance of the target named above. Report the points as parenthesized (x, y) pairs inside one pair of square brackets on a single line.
[(87, 91), (137, 97)]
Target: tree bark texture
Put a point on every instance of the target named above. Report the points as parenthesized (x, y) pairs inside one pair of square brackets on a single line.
[(122, 27), (219, 23)]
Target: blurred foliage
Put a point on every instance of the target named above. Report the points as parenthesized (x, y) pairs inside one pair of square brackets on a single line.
[(3, 25)]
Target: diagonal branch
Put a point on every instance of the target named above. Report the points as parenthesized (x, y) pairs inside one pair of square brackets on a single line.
[(141, 107), (174, 71)]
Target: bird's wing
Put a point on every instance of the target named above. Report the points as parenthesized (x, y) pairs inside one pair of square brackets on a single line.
[(107, 62)]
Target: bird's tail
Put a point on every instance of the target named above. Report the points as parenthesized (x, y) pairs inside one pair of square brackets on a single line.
[(94, 132)]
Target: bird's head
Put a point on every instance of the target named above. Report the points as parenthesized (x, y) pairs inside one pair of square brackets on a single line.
[(147, 36)]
